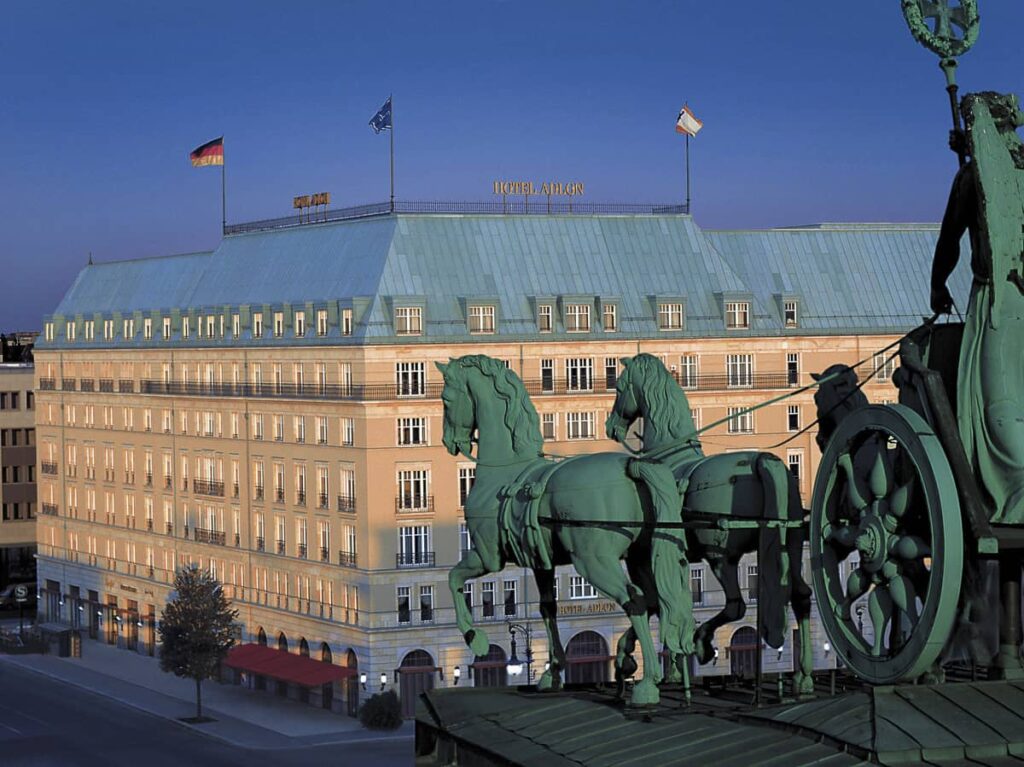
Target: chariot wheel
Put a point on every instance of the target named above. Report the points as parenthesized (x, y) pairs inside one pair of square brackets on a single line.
[(886, 544)]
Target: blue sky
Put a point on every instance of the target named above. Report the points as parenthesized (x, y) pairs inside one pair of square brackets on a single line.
[(810, 114)]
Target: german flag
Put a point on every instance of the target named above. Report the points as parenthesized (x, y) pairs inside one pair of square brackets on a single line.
[(210, 153)]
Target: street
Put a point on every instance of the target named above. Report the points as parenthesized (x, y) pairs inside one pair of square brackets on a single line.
[(44, 722)]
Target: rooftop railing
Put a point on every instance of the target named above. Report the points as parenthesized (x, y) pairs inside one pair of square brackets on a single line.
[(535, 205)]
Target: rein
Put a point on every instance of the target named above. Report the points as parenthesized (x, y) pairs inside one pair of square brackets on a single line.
[(667, 449)]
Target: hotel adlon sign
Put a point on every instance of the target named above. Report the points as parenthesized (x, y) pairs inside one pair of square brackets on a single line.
[(548, 188)]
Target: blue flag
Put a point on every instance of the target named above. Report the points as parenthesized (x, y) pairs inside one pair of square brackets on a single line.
[(382, 120)]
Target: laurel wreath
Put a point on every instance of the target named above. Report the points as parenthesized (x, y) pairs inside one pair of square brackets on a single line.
[(948, 47)]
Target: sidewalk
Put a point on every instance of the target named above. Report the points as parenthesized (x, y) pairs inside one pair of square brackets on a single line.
[(248, 718)]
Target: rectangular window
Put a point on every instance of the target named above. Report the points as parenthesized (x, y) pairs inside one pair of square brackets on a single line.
[(789, 313), (792, 369), (579, 374), (426, 603), (610, 317), (544, 324), (300, 324), (108, 330), (211, 325), (347, 499), (580, 589), (185, 329), (414, 546), (465, 539), (737, 315), (412, 431), (885, 366), (579, 425), (487, 599), (321, 430), (299, 422), (697, 585), (166, 330), (402, 594), (611, 373), (147, 329), (70, 331), (481, 319), (740, 422), (670, 316), (467, 476), (695, 417), (346, 322), (547, 376), (795, 460), (511, 597), (793, 418), (408, 320), (321, 322), (257, 325), (467, 594), (236, 325), (348, 432), (547, 425), (278, 324), (577, 318), (739, 370), (690, 371), (413, 490), (752, 582), (411, 379)]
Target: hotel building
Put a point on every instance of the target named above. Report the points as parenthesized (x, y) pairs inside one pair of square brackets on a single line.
[(270, 411), (17, 473)]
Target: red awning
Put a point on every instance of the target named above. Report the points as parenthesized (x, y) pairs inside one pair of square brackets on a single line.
[(283, 665)]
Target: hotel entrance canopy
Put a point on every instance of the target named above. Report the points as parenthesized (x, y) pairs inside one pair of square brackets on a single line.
[(284, 666)]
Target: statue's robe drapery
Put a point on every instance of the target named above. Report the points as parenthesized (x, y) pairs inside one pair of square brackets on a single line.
[(986, 199)]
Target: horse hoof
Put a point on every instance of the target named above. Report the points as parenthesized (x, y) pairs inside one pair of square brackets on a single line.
[(645, 693), (704, 651), (548, 682), (478, 641), (628, 667), (674, 676)]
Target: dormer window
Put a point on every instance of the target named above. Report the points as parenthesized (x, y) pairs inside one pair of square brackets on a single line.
[(278, 324), (346, 322), (670, 316), (90, 330), (789, 313), (129, 329), (147, 329), (610, 318), (70, 331), (184, 327), (481, 320), (300, 324), (544, 323), (257, 325), (321, 322), (108, 330), (408, 320), (737, 315), (167, 328), (577, 318)]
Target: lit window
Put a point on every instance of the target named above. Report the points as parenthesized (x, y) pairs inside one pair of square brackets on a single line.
[(321, 322), (257, 325), (300, 324), (278, 324), (737, 315), (481, 319), (346, 322), (610, 318), (408, 320), (580, 589), (789, 313), (670, 316), (544, 318), (577, 318)]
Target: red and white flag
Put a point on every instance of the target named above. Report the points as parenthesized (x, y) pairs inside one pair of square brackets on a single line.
[(687, 123)]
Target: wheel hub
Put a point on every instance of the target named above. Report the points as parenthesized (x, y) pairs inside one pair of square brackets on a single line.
[(872, 542)]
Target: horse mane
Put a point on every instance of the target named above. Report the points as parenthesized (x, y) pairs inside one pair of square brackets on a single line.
[(521, 417), (667, 405)]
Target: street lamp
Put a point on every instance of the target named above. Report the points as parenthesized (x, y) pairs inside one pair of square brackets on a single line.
[(383, 680), (514, 665), (457, 674), (362, 680)]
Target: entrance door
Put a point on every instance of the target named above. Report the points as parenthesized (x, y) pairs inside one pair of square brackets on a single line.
[(587, 658), (352, 685), (490, 670), (133, 624), (261, 639), (743, 650), (417, 675), (327, 691)]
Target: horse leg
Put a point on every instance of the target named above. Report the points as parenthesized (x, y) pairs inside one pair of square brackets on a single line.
[(606, 575), (471, 566), (551, 679), (800, 599), (735, 608), (641, 575), (625, 664)]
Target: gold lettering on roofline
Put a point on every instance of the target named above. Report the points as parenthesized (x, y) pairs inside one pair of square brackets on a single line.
[(547, 188)]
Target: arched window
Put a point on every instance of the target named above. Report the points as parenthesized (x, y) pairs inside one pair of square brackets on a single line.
[(490, 670), (303, 647), (261, 637), (282, 642), (743, 650), (416, 676), (325, 653), (587, 658)]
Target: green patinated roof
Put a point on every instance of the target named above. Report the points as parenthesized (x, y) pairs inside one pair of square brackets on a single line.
[(847, 278)]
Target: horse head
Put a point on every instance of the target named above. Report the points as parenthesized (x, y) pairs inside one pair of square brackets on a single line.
[(459, 413), (627, 405), (834, 399)]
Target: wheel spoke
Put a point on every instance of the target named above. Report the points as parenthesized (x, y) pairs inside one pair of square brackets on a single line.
[(854, 494), (857, 584), (881, 476), (899, 501), (880, 611), (844, 535), (911, 547), (904, 597)]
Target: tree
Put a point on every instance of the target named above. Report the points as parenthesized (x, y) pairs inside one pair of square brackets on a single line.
[(197, 629)]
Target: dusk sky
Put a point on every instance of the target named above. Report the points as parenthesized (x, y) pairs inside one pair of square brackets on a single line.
[(813, 111)]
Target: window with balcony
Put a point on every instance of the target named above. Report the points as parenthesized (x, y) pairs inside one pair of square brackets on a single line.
[(547, 376), (408, 320), (348, 431), (611, 373), (579, 374), (739, 370), (792, 369), (414, 490), (411, 379), (577, 318), (481, 320), (414, 549)]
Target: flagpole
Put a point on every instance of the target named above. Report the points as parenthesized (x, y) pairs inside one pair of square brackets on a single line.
[(223, 193), (687, 172), (392, 100)]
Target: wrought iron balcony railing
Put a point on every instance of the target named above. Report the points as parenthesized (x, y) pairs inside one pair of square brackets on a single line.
[(280, 547), (48, 467), (106, 384), (414, 503), (260, 543), (47, 384), (209, 536), (322, 501), (49, 509), (414, 559), (68, 384), (87, 384), (258, 493), (325, 554), (347, 558), (126, 386), (347, 503), (302, 551), (208, 487)]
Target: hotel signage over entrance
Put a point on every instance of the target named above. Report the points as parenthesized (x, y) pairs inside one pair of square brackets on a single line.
[(549, 188)]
